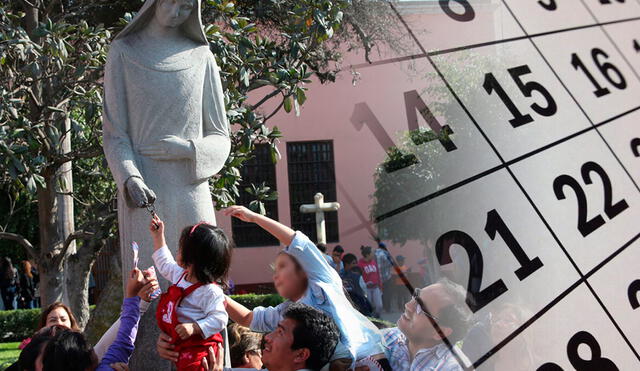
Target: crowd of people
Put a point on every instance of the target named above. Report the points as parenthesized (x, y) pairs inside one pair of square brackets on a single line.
[(376, 283), (18, 287), (320, 325)]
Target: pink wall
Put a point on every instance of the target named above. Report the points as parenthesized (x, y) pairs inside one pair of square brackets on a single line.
[(327, 114)]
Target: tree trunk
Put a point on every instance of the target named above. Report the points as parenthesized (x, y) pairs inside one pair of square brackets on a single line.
[(110, 301), (77, 279), (55, 217)]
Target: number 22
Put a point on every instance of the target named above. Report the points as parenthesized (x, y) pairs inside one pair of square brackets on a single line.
[(611, 210)]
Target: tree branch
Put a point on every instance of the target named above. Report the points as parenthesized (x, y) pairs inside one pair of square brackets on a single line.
[(81, 234), (266, 98), (21, 240), (74, 155), (274, 112)]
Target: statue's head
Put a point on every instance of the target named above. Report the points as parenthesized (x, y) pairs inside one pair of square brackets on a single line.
[(173, 13), (183, 14)]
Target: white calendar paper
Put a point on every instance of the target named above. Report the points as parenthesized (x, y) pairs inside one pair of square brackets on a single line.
[(529, 190)]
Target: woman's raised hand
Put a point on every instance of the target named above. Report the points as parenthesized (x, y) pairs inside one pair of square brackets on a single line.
[(241, 213), (152, 285), (135, 282)]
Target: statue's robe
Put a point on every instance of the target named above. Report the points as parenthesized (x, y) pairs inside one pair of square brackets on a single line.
[(144, 102)]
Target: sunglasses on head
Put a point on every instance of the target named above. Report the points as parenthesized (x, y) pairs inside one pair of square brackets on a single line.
[(421, 308)]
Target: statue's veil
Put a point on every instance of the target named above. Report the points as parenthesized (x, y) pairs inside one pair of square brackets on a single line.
[(192, 27)]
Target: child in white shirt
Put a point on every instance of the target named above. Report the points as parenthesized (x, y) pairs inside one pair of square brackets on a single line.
[(193, 311)]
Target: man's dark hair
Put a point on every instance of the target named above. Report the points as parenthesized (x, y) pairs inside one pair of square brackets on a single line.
[(456, 315), (315, 331), (365, 250), (339, 249), (209, 250), (28, 356), (349, 258), (68, 351), (322, 247)]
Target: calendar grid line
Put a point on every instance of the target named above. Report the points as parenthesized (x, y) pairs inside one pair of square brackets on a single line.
[(617, 116), (440, 192), (606, 310), (527, 323), (595, 295), (615, 45), (492, 170), (611, 256), (487, 43), (613, 320), (389, 61), (497, 153), (526, 36)]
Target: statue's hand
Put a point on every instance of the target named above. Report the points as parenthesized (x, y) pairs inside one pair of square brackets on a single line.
[(140, 194), (169, 148)]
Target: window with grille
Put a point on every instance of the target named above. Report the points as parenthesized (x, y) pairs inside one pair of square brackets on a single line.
[(255, 171), (312, 170)]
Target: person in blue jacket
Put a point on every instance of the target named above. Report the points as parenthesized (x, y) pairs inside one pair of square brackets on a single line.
[(302, 274)]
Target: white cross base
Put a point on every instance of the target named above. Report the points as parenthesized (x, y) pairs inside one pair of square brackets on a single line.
[(319, 207)]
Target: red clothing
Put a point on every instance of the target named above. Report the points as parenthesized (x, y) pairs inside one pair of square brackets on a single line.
[(370, 272), (193, 349)]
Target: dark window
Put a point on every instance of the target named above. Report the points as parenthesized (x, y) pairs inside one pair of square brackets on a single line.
[(312, 170), (255, 171)]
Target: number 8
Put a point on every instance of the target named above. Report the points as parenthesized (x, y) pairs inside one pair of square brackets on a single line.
[(468, 15)]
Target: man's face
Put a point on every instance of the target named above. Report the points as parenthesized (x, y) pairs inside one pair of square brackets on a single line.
[(419, 328), (277, 353), (336, 255), (348, 266)]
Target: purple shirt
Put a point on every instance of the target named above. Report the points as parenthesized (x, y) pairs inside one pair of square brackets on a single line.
[(122, 346)]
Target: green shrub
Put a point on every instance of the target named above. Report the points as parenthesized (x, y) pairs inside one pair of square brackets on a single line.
[(254, 300), (17, 325)]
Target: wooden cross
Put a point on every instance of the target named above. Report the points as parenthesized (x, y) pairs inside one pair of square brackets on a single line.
[(319, 207)]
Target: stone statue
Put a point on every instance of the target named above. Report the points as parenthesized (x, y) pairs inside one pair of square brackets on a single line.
[(165, 131)]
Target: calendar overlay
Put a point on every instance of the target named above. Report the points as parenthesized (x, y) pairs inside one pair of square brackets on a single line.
[(532, 179)]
